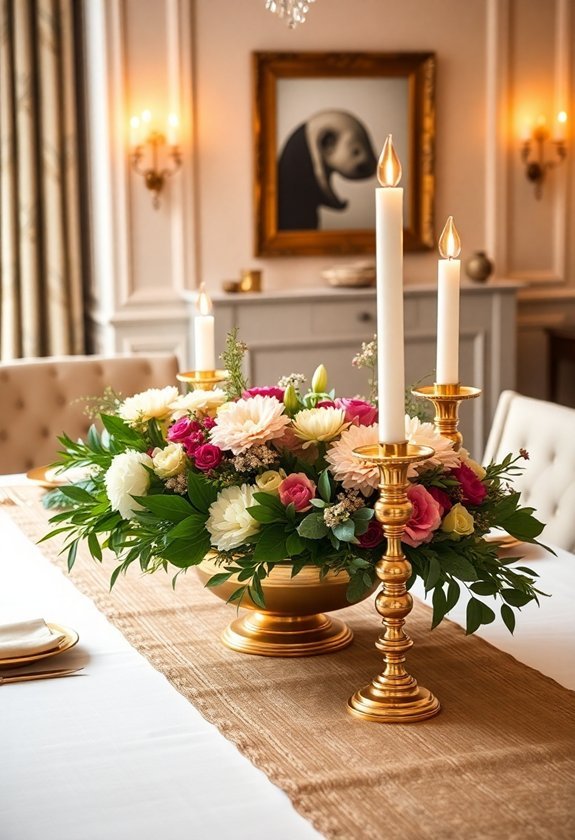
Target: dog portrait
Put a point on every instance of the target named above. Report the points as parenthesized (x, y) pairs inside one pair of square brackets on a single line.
[(320, 123)]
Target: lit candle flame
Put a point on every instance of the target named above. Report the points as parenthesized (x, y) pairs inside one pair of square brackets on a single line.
[(562, 117), (449, 241), (388, 167), (203, 303)]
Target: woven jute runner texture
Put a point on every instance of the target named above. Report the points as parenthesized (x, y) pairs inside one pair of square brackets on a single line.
[(497, 762)]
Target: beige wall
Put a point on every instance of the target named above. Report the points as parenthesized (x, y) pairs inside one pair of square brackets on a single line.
[(498, 62)]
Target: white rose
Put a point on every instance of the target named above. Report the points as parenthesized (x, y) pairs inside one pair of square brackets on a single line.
[(152, 404), (126, 477), (229, 522), (198, 402), (270, 480), (169, 461)]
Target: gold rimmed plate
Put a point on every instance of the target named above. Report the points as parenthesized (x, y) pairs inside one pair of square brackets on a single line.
[(69, 640), (501, 539), (45, 477)]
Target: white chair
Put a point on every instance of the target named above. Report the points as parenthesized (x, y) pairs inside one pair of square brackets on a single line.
[(42, 398), (547, 483)]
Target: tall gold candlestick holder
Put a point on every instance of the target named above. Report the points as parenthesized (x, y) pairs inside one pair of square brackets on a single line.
[(203, 379), (446, 399), (394, 695)]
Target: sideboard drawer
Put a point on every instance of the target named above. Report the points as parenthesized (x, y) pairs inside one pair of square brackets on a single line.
[(349, 317)]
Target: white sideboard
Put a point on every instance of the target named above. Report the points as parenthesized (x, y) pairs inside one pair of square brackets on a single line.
[(294, 331)]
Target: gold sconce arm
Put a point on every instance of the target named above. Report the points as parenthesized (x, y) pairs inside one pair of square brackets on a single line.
[(155, 175), (533, 153)]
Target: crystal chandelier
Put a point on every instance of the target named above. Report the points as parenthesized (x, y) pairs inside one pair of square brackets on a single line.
[(292, 11)]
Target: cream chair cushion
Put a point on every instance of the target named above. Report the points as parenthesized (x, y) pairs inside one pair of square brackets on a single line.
[(42, 398), (547, 431)]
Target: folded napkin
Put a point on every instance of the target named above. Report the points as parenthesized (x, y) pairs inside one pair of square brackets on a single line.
[(24, 638), (70, 476)]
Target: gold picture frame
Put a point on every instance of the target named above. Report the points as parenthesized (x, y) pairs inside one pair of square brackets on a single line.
[(398, 88)]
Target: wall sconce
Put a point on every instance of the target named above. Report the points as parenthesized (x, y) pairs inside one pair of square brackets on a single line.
[(533, 150), (145, 141)]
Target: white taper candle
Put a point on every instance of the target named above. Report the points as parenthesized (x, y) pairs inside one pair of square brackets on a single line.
[(448, 282), (389, 268), (204, 342)]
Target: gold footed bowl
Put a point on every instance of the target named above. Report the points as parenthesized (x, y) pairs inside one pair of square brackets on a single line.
[(294, 621)]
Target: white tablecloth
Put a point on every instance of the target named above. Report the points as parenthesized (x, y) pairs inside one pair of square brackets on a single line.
[(119, 754)]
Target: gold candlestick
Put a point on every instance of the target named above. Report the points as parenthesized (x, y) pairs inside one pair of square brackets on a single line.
[(446, 399), (203, 379), (394, 695)]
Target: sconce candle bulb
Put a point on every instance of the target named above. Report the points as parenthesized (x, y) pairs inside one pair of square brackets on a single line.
[(388, 166), (449, 241), (533, 150), (448, 281), (144, 140)]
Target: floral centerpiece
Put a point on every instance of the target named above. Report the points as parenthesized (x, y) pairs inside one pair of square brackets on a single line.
[(259, 476)]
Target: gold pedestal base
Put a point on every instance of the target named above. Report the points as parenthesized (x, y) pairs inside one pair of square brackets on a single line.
[(405, 704), (266, 634)]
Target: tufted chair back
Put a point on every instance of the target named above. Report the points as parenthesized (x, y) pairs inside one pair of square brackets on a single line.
[(41, 398), (547, 431)]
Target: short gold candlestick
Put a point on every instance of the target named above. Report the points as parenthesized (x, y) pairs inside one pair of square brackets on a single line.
[(206, 380), (394, 695), (446, 399)]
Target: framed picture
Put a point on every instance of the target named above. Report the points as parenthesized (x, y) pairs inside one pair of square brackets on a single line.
[(320, 123)]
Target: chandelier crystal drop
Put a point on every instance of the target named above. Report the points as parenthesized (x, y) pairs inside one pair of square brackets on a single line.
[(292, 11)]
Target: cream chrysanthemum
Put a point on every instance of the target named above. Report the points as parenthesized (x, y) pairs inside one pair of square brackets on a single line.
[(204, 403), (354, 473), (229, 522), (247, 423), (153, 404), (424, 434), (314, 425)]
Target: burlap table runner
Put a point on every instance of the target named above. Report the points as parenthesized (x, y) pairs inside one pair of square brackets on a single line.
[(498, 762)]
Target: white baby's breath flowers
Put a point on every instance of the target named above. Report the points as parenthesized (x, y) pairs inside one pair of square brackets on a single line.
[(127, 476), (315, 425), (229, 522), (169, 461), (245, 423), (200, 402), (154, 404)]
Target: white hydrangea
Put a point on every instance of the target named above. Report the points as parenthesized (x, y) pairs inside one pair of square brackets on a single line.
[(126, 477)]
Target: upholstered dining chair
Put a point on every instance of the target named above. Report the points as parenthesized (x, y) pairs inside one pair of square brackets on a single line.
[(547, 431), (41, 398)]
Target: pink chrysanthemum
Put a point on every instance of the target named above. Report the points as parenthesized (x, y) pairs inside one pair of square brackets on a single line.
[(247, 423), (353, 473)]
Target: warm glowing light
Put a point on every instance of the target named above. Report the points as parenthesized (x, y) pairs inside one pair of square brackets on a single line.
[(562, 117), (203, 303), (135, 134), (173, 126), (388, 167), (449, 241), (146, 117)]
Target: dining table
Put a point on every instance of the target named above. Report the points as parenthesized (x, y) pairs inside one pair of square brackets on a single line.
[(118, 751)]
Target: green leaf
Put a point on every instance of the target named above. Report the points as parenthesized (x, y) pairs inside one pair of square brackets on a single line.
[(119, 429), (77, 494), (523, 526), (94, 546), (256, 593), (171, 508), (508, 617), (458, 566), (192, 527), (515, 598), (356, 588), (324, 486), (271, 545), (264, 514), (270, 501), (184, 553), (439, 605), (200, 492), (474, 615), (487, 614), (453, 591), (344, 531), (363, 513), (433, 573), (313, 527), (294, 545), (484, 587)]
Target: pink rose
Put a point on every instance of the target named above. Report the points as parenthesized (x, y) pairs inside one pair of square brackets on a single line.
[(325, 404), (425, 516), (182, 429), (297, 488), (208, 422), (440, 496), (373, 536), (472, 488), (269, 391), (207, 457), (358, 412)]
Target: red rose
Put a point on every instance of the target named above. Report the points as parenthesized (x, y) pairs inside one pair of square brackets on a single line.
[(358, 412), (373, 536), (474, 491), (440, 496), (207, 457), (268, 391)]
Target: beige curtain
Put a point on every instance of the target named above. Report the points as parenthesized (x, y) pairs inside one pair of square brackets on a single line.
[(41, 298)]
